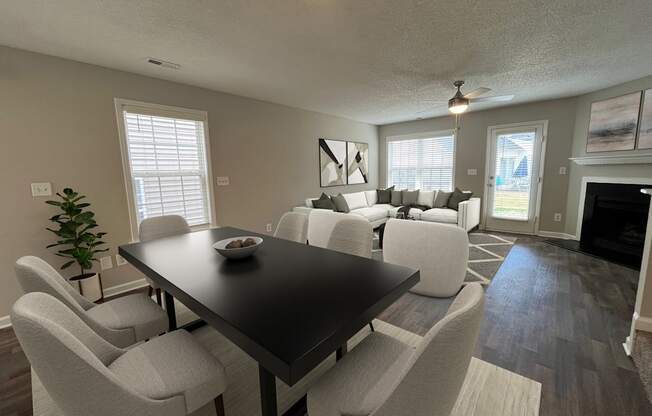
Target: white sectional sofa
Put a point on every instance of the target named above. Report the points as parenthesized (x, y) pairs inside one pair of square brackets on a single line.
[(364, 203)]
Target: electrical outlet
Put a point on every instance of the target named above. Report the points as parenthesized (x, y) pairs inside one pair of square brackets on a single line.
[(562, 170), (41, 189), (557, 216), (119, 260), (472, 172), (222, 181), (106, 262), (268, 228)]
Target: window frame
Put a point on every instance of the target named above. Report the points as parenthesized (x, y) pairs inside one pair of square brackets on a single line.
[(421, 136), (162, 111)]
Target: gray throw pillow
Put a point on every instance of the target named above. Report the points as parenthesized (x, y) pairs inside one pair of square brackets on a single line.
[(385, 195), (441, 201), (410, 197), (324, 202), (457, 197), (397, 198), (340, 203)]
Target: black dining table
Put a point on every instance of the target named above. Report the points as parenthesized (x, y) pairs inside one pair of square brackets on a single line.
[(289, 306)]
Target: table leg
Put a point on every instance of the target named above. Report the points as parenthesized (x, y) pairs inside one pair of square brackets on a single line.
[(267, 392), (169, 307), (341, 352)]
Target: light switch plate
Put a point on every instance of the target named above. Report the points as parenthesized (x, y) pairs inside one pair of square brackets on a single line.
[(106, 262), (472, 172), (562, 170), (557, 217), (120, 261), (222, 181), (41, 189), (268, 228)]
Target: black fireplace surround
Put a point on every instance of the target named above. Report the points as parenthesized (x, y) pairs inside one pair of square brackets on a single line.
[(614, 222)]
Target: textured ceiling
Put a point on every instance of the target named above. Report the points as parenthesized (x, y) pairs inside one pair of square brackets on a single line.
[(373, 61)]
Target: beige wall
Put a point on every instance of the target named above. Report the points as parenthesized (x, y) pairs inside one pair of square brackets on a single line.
[(58, 124), (577, 172), (471, 147)]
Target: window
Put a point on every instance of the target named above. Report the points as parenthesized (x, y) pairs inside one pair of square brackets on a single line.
[(425, 162), (166, 162)]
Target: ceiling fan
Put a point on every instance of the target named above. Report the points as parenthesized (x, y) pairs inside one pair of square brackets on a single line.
[(460, 102)]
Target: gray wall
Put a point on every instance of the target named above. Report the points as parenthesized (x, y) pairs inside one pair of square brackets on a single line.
[(472, 146), (59, 125), (577, 172)]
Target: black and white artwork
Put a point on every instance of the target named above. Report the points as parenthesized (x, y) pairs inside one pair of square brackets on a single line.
[(613, 124), (332, 162), (645, 134), (358, 162)]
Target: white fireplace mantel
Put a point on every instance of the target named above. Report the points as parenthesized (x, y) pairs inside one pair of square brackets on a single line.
[(613, 160)]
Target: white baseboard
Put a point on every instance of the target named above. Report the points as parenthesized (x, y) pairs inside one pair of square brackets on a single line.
[(554, 234), (5, 322), (642, 323), (627, 346), (124, 287)]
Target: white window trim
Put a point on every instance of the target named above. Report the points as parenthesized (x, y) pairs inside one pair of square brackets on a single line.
[(416, 136), (166, 111)]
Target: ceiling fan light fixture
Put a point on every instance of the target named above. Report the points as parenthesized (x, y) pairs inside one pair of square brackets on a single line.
[(458, 105)]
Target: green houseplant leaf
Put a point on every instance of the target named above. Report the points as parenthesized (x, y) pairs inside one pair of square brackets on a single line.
[(72, 227)]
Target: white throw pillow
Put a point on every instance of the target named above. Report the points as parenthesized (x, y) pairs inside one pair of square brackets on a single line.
[(426, 198), (372, 197), (356, 200)]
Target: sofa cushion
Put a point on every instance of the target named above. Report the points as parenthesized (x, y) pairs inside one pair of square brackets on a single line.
[(397, 198), (409, 197), (372, 197), (441, 200), (324, 202), (371, 213), (356, 200), (457, 197), (426, 198), (445, 215), (340, 203), (384, 195)]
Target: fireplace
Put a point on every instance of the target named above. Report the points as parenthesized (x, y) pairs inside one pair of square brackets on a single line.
[(614, 222)]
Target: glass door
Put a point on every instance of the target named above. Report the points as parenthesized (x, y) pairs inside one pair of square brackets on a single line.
[(513, 178)]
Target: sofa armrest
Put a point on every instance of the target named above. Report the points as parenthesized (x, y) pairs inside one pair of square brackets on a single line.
[(468, 214), (302, 209)]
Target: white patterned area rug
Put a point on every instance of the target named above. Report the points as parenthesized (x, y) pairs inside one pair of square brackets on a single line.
[(486, 253), (488, 390)]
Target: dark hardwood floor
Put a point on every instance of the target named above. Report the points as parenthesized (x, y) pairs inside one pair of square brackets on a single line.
[(553, 315)]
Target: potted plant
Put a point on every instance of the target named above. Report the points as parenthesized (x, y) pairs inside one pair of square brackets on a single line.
[(76, 240)]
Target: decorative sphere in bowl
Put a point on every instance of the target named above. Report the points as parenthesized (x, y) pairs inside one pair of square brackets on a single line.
[(238, 247)]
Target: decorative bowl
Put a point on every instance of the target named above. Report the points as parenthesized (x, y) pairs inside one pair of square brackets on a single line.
[(240, 252)]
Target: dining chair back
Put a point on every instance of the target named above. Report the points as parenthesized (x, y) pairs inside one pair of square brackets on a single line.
[(352, 236), (292, 226), (321, 223), (433, 377), (75, 364), (439, 251), (163, 226)]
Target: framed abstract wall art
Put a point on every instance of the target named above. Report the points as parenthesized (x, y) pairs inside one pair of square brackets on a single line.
[(614, 123), (332, 162), (358, 162)]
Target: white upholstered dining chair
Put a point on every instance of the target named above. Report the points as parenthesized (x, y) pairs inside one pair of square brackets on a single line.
[(382, 376), (158, 227), (122, 321), (292, 226), (171, 375), (439, 251), (321, 226)]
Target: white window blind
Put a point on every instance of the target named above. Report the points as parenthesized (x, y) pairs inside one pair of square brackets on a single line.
[(167, 165), (421, 163)]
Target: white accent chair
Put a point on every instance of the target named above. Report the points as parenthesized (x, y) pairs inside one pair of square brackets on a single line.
[(439, 251), (122, 321), (320, 225), (171, 375), (159, 227), (382, 376), (352, 236), (292, 226)]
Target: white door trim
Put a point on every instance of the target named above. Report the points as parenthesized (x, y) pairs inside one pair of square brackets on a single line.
[(542, 159), (601, 179)]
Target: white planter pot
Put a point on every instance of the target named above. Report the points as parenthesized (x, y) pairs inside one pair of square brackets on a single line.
[(91, 288)]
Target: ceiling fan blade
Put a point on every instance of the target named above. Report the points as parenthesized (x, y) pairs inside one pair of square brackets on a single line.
[(434, 101), (493, 99), (477, 92)]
